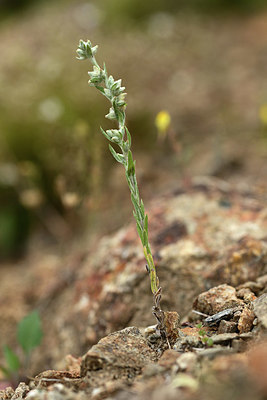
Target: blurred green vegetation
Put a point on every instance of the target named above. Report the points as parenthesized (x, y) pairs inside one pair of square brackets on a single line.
[(139, 10), (9, 7), (54, 166), (13, 5), (14, 223)]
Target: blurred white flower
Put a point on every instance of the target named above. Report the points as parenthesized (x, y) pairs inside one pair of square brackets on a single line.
[(87, 15), (161, 25), (51, 109)]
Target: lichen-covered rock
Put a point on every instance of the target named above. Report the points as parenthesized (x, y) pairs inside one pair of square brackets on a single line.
[(260, 309), (18, 394), (7, 393), (172, 324), (217, 299), (227, 327), (204, 234), (50, 377), (120, 355), (56, 392), (246, 294), (246, 319)]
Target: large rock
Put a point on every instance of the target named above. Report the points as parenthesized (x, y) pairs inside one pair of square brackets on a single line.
[(120, 355), (260, 309), (202, 235)]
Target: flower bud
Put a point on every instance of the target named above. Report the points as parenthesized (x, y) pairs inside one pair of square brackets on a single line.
[(113, 133), (111, 114), (116, 88), (96, 76), (119, 101), (85, 50)]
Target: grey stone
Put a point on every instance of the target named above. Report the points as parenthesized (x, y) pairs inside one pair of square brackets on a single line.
[(260, 309)]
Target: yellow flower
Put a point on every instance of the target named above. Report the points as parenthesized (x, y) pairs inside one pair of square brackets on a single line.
[(263, 113), (162, 122)]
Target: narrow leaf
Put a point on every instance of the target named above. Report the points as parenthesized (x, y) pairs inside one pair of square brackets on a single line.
[(118, 157), (130, 182), (131, 168), (128, 137), (12, 360), (136, 207), (100, 88), (140, 232), (145, 238), (136, 191), (146, 223), (105, 73), (29, 332), (107, 93), (142, 208), (149, 250), (104, 133), (121, 117)]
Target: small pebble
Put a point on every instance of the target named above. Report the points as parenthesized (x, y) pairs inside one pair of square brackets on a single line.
[(227, 327)]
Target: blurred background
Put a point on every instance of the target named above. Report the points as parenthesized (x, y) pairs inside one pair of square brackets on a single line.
[(199, 63)]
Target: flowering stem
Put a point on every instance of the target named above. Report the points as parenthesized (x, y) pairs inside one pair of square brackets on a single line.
[(114, 92)]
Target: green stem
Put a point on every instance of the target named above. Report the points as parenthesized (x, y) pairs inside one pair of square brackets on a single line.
[(113, 91)]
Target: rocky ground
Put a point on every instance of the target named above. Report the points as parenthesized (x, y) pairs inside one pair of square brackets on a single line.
[(208, 236), (209, 241)]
